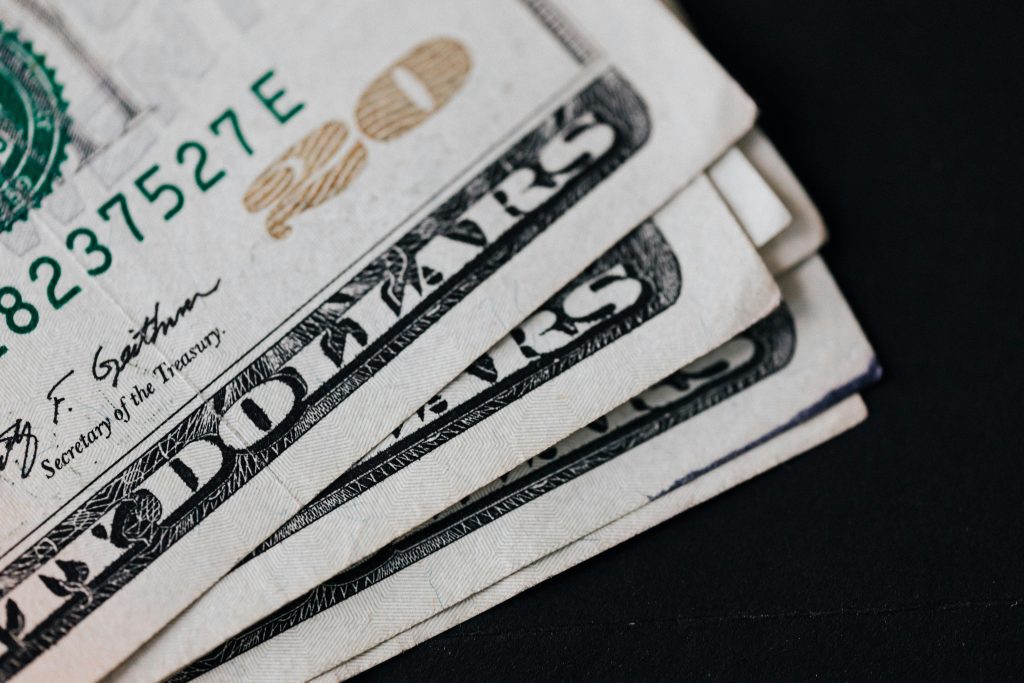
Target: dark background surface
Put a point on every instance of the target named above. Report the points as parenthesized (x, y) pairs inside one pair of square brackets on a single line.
[(897, 549)]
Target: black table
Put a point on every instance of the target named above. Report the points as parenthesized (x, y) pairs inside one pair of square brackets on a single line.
[(896, 549)]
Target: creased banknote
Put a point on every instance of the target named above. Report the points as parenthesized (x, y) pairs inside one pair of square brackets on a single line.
[(622, 324), (818, 429), (291, 567), (804, 235), (241, 242), (800, 360)]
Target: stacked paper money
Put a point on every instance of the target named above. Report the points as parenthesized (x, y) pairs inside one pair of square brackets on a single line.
[(326, 326)]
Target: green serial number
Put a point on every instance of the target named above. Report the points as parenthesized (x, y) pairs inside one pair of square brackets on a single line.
[(22, 317)]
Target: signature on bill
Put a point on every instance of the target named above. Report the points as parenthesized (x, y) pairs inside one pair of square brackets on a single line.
[(153, 327), (16, 440)]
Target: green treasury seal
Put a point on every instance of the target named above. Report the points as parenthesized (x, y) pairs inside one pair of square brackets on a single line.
[(33, 129)]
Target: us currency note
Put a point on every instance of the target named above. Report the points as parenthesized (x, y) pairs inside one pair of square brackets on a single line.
[(761, 217), (621, 325), (268, 579), (240, 245), (818, 429), (802, 359), (804, 234)]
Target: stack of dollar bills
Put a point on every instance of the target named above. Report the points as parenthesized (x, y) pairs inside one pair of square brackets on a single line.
[(326, 326)]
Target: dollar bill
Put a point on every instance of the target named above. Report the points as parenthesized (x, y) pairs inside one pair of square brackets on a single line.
[(621, 325), (287, 565), (818, 429), (241, 243), (763, 215), (804, 236), (797, 362)]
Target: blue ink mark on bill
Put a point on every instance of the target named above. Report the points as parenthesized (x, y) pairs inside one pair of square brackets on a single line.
[(833, 397)]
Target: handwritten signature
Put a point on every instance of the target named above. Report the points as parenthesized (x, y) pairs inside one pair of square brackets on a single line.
[(149, 332), (52, 396), (19, 434)]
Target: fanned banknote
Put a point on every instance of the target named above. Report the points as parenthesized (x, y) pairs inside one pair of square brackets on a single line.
[(325, 326), (621, 325), (804, 358), (241, 243), (800, 205), (358, 515), (803, 235), (318, 542)]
